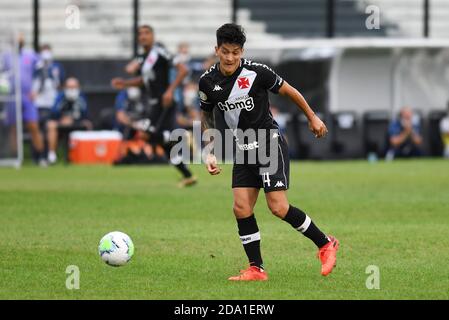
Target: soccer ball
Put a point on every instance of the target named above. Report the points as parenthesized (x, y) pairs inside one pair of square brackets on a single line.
[(116, 248)]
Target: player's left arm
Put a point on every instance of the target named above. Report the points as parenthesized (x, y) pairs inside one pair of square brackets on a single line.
[(120, 83), (181, 73), (315, 124)]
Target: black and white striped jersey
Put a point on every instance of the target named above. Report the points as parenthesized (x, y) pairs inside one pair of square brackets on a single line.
[(155, 70), (242, 98)]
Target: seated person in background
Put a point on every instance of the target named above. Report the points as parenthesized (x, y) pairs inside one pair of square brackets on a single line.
[(69, 112), (444, 130), (130, 107), (405, 135)]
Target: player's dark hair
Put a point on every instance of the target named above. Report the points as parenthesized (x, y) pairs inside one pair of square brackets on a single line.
[(231, 33), (148, 27)]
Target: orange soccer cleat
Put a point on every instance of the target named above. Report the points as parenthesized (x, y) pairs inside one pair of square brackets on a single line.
[(251, 274), (328, 255)]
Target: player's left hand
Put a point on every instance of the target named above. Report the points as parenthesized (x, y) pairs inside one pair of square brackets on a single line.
[(317, 127), (167, 98)]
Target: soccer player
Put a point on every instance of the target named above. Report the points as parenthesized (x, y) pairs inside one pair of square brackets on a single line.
[(239, 89), (153, 71)]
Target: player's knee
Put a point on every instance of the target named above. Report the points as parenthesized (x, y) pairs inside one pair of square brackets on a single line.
[(52, 125), (32, 127), (279, 209), (241, 210)]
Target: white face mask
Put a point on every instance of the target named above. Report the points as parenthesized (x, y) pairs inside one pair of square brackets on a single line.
[(190, 97), (133, 93), (72, 94), (46, 55)]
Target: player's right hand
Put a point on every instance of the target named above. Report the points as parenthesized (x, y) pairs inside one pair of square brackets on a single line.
[(118, 83), (211, 164)]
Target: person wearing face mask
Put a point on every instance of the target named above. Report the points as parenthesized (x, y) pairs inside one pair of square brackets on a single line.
[(130, 106), (47, 80), (405, 137), (69, 112)]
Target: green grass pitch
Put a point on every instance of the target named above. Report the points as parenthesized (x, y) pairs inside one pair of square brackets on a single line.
[(391, 215)]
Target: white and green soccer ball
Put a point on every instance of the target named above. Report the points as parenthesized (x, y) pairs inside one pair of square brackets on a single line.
[(116, 248)]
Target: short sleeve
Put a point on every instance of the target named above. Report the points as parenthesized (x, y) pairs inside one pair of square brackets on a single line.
[(269, 79), (205, 103)]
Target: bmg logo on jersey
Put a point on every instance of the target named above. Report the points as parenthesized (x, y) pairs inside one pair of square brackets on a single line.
[(245, 102)]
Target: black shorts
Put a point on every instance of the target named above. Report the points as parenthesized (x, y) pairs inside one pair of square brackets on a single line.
[(163, 118), (253, 175)]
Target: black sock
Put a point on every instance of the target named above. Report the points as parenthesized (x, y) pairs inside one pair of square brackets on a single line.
[(302, 222), (177, 162), (250, 237), (184, 170)]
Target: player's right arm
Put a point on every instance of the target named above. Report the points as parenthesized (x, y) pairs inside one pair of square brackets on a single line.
[(132, 68), (208, 122)]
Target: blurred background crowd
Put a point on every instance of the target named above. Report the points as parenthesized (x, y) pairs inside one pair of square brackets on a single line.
[(376, 71)]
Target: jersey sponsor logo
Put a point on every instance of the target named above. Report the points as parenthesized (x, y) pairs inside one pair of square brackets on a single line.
[(248, 146), (245, 102), (243, 82), (217, 88)]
